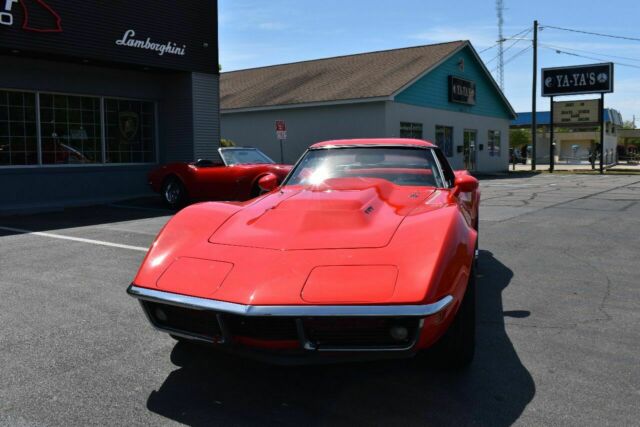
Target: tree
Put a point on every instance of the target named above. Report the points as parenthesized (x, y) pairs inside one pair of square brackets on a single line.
[(227, 143), (519, 137), (629, 124)]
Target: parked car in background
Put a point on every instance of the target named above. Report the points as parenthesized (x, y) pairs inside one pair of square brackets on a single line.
[(237, 177), (366, 250)]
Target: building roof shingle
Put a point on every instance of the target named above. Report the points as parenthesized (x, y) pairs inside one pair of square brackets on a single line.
[(360, 76)]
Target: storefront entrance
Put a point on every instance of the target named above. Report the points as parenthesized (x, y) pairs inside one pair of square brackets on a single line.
[(469, 149)]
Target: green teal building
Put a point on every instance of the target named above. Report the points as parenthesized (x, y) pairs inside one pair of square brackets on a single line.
[(442, 93)]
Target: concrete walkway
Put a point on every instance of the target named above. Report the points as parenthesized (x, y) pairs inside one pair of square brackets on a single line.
[(575, 167)]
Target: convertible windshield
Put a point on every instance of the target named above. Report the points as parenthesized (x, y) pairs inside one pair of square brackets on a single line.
[(244, 156), (400, 165)]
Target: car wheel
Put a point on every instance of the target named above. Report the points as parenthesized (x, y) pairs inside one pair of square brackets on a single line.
[(457, 346), (173, 192)]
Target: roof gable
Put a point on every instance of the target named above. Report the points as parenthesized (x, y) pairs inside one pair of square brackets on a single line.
[(431, 89), (353, 77)]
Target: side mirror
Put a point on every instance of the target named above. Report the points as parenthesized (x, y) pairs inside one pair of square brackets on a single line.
[(268, 182), (465, 184)]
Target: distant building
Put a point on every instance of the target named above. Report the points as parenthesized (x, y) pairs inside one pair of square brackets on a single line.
[(574, 142), (442, 92)]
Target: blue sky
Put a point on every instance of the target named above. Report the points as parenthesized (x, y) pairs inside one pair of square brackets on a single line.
[(256, 33)]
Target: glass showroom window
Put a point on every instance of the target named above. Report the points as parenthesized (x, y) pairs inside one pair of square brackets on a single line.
[(410, 130), (70, 129), (129, 131), (18, 130), (494, 143), (444, 139)]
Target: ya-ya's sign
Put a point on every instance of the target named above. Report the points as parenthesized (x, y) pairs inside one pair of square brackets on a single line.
[(576, 112), (577, 80), (462, 91)]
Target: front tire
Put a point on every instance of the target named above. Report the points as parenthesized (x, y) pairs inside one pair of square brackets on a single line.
[(456, 348), (174, 193)]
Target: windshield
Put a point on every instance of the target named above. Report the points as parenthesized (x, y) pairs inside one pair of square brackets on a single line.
[(244, 156), (399, 165)]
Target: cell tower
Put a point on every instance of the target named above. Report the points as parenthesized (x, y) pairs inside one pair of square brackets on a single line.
[(499, 13)]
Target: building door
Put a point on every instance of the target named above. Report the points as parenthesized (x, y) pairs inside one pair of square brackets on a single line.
[(469, 149)]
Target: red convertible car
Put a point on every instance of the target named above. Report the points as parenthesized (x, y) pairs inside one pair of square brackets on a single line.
[(366, 250), (238, 177)]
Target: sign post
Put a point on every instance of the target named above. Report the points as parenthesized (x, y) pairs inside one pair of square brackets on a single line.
[(602, 133), (578, 80), (552, 159), (281, 134)]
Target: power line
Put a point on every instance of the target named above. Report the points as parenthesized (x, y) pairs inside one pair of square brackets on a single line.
[(520, 53), (506, 38), (590, 57), (517, 40), (513, 57), (592, 33), (591, 52)]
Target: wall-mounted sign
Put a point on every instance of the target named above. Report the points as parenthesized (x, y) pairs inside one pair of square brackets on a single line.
[(281, 130), (129, 39), (581, 79), (162, 34), (462, 91), (576, 112)]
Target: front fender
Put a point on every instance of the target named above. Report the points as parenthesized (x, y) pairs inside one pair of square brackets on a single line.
[(191, 226)]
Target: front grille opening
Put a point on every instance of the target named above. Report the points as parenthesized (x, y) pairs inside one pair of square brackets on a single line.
[(262, 328), (361, 332), (187, 320)]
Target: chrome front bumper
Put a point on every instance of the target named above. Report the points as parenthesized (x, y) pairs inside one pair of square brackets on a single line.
[(296, 312), (289, 310)]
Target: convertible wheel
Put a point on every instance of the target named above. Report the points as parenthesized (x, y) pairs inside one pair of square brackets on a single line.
[(173, 193), (456, 348)]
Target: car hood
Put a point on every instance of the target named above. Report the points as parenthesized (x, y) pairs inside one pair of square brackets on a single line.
[(420, 263), (339, 214)]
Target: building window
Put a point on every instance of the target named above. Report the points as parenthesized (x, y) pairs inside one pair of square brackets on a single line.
[(410, 130), (70, 129), (130, 129), (18, 130), (494, 143), (444, 139)]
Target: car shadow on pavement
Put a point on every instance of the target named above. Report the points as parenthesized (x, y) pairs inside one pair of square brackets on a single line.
[(87, 216), (211, 388)]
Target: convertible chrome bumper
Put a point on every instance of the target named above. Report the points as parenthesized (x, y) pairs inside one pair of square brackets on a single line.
[(289, 310)]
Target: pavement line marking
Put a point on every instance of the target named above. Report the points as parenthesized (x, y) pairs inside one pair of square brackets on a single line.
[(75, 239)]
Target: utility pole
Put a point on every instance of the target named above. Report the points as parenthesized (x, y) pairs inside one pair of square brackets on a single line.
[(534, 94)]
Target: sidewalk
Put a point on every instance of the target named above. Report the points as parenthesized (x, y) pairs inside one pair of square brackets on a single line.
[(575, 167)]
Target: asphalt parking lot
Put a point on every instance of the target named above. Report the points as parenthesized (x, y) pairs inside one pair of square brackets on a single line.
[(558, 336)]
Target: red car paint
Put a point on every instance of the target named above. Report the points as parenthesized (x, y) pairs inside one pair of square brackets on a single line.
[(347, 241), (217, 182)]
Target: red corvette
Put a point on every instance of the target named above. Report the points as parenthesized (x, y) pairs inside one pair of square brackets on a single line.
[(366, 250), (238, 177)]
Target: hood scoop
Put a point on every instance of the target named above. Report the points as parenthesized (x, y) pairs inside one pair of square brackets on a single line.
[(362, 215)]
